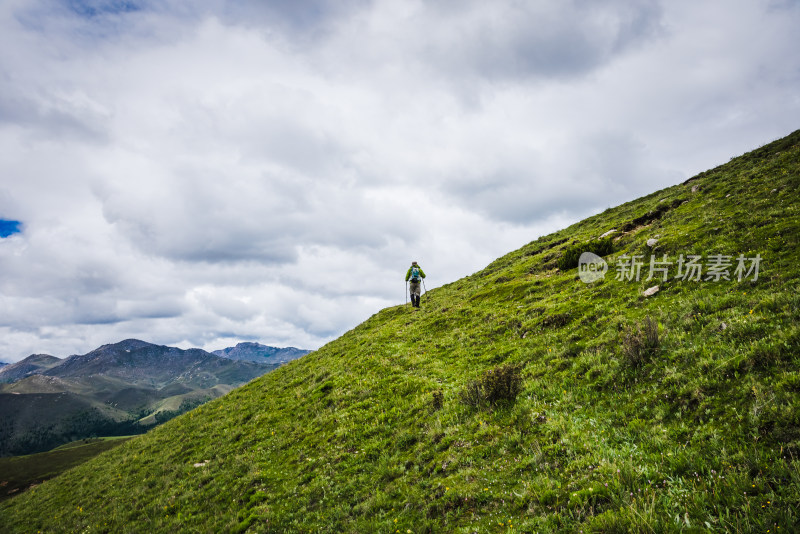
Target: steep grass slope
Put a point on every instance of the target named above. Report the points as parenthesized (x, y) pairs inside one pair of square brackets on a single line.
[(619, 426), (21, 472)]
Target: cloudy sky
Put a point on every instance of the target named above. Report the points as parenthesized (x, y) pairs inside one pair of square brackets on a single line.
[(202, 172)]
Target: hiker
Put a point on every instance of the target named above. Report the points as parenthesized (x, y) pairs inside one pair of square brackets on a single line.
[(414, 275)]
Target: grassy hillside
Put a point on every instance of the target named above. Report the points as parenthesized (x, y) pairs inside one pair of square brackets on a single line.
[(673, 412), (21, 472), (40, 421)]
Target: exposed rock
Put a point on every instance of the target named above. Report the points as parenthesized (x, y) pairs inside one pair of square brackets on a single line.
[(695, 188), (608, 233), (652, 242), (32, 365), (651, 291)]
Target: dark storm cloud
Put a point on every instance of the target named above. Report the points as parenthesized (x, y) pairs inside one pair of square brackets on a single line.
[(535, 40), (605, 167), (306, 18), (260, 213), (53, 116), (297, 23)]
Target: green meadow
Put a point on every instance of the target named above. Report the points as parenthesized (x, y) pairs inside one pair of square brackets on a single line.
[(517, 399), (18, 473)]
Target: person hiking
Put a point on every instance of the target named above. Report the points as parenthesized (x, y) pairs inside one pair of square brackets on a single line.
[(414, 275)]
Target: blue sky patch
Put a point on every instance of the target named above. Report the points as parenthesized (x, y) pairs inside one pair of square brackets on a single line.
[(93, 8), (8, 228)]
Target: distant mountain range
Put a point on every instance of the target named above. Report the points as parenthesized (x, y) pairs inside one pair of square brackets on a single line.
[(256, 352), (33, 364), (118, 389)]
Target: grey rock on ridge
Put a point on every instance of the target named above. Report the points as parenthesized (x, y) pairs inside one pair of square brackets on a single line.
[(32, 365), (256, 352)]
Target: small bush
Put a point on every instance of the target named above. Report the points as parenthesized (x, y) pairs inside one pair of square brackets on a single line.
[(438, 401), (499, 385), (640, 343), (601, 247), (472, 394), (557, 320)]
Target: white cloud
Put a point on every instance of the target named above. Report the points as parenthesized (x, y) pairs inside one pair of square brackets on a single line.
[(198, 173)]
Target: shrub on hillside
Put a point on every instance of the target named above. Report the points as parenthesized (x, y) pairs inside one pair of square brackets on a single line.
[(438, 401), (499, 385), (640, 342), (601, 247)]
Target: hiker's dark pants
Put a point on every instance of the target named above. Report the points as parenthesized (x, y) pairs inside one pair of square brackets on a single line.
[(414, 289)]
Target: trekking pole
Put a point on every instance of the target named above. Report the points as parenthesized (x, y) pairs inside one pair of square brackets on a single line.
[(406, 291), (423, 287)]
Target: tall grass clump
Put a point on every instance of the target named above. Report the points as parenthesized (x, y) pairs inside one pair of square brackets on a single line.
[(499, 385), (640, 342), (601, 247)]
